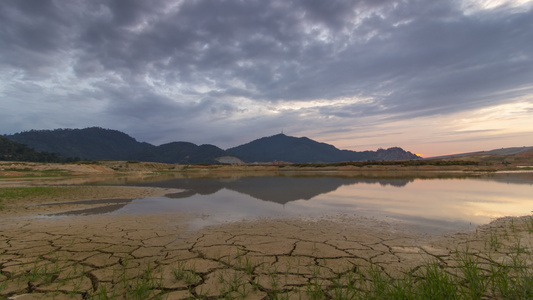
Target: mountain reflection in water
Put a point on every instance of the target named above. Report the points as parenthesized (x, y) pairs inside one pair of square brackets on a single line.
[(431, 204), (275, 189)]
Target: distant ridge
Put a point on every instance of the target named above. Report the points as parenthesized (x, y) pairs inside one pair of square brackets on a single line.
[(281, 147), (95, 143), (502, 151), (13, 151), (182, 153)]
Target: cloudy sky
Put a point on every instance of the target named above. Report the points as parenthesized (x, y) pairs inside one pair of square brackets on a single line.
[(433, 77)]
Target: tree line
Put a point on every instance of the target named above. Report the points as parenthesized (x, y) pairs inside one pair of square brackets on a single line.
[(13, 151)]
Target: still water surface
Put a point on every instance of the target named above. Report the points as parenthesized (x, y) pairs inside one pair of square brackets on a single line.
[(424, 205)]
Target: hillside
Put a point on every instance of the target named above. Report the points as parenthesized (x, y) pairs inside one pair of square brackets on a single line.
[(97, 143), (13, 151), (501, 151), (92, 143), (182, 153), (284, 148), (513, 157), (281, 147)]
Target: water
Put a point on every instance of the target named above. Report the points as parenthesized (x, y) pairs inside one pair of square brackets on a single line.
[(424, 204)]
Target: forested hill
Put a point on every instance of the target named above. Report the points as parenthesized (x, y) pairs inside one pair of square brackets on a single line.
[(182, 153), (98, 144), (285, 148), (92, 143), (13, 151)]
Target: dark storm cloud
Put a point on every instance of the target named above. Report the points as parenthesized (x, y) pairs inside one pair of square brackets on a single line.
[(173, 60)]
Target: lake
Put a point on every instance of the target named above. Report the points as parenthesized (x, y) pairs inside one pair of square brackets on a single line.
[(433, 204)]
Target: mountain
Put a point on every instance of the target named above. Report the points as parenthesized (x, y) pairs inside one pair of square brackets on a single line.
[(13, 151), (92, 143), (284, 148), (97, 143), (281, 147), (393, 153), (182, 153)]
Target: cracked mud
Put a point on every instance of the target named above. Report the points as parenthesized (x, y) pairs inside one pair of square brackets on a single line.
[(86, 257)]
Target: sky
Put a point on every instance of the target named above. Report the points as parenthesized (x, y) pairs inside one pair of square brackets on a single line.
[(432, 77)]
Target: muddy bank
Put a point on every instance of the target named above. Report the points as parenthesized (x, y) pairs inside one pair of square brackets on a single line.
[(44, 200), (85, 256)]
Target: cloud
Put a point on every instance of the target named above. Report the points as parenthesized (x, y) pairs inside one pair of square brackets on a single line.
[(202, 70)]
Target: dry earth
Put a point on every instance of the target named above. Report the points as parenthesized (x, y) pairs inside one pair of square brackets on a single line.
[(73, 258), (86, 257)]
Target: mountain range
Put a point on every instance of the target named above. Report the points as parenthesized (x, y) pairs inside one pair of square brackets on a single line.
[(97, 143)]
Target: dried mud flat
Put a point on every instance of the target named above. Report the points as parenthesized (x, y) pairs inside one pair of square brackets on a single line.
[(109, 256)]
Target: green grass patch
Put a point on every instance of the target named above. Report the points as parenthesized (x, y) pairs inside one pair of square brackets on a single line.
[(14, 193), (56, 171), (23, 170)]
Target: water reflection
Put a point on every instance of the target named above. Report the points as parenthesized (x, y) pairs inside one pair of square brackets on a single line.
[(275, 189), (426, 204), (106, 206)]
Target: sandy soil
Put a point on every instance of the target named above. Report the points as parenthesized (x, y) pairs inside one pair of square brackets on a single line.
[(76, 257)]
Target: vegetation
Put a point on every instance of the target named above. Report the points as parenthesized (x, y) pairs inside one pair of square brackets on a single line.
[(475, 276), (512, 279), (13, 151), (97, 143), (29, 172), (399, 163), (16, 193), (182, 153), (90, 143)]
